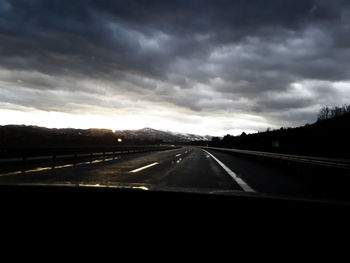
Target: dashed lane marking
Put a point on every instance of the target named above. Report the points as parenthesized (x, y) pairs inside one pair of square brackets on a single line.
[(143, 167)]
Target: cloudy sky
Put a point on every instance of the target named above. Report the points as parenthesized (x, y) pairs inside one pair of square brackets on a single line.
[(204, 67)]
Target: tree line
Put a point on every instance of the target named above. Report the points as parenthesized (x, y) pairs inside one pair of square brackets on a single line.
[(332, 112)]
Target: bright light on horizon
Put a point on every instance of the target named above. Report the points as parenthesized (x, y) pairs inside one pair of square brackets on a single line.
[(52, 119)]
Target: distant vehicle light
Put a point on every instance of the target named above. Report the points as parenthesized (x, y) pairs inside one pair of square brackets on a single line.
[(119, 140)]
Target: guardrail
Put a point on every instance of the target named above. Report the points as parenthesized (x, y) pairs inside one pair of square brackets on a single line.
[(288, 158), (17, 156)]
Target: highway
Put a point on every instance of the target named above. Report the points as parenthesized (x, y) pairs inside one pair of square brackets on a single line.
[(188, 168)]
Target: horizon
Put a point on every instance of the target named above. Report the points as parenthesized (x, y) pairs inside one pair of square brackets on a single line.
[(191, 67), (113, 130), (143, 128), (59, 120)]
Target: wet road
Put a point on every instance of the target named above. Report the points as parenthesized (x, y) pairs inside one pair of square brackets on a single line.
[(184, 167), (189, 168)]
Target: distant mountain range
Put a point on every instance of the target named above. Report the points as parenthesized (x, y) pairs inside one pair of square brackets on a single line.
[(23, 134)]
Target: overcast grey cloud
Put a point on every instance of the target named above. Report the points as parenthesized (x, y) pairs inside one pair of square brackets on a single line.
[(236, 65)]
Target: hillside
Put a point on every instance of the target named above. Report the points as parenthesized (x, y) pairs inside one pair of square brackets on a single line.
[(328, 137)]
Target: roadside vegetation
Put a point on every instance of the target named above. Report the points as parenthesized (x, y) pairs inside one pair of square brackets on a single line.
[(328, 136)]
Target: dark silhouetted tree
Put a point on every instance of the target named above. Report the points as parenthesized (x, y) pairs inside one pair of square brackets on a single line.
[(328, 113), (324, 113)]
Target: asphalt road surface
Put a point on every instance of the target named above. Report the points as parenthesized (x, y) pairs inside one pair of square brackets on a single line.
[(186, 168)]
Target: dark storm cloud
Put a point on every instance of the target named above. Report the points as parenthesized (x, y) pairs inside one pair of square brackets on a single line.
[(107, 33), (201, 55)]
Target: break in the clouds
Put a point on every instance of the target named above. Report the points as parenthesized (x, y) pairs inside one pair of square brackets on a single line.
[(207, 67)]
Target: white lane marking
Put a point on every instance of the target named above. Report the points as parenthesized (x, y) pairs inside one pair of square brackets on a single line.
[(238, 180), (178, 155), (143, 167)]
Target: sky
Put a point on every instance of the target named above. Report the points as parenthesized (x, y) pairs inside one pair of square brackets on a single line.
[(203, 67)]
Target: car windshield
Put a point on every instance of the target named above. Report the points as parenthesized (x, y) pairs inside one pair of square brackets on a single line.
[(216, 97)]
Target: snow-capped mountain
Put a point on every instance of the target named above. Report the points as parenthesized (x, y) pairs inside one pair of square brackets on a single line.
[(166, 136)]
